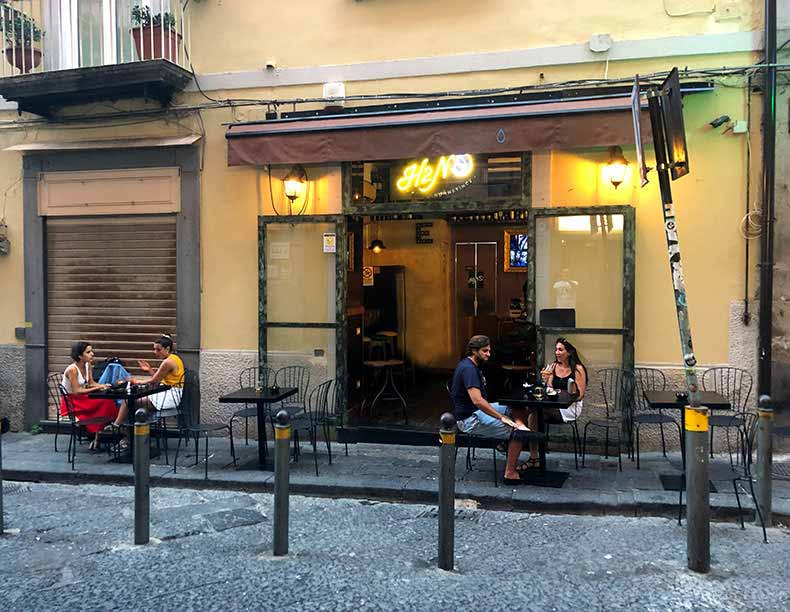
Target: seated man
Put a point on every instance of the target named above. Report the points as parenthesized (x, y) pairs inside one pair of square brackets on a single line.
[(474, 413)]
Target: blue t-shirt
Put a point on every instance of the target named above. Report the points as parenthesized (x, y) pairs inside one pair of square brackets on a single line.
[(466, 376)]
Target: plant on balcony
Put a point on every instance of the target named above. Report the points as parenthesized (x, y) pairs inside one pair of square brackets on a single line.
[(155, 35), (21, 35)]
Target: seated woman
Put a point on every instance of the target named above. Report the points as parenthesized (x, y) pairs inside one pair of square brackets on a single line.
[(567, 365), (170, 372), (78, 382)]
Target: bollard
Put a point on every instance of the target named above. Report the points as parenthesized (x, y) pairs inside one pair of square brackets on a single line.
[(698, 490), (142, 471), (4, 426), (447, 491), (765, 430), (282, 441)]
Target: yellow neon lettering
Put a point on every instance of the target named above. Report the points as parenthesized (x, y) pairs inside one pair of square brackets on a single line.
[(407, 179), (424, 176)]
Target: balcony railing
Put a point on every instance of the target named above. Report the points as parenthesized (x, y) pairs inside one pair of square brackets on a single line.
[(45, 35)]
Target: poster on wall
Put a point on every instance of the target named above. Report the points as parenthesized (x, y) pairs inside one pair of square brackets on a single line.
[(516, 251), (330, 243), (279, 250), (367, 276)]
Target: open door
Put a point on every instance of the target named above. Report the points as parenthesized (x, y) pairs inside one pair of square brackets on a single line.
[(475, 290)]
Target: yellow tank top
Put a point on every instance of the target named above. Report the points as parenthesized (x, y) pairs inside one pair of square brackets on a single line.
[(176, 378)]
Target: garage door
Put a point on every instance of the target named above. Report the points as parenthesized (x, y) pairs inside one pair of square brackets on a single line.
[(111, 282)]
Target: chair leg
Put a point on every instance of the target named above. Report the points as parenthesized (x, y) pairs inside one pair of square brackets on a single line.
[(575, 433), (663, 440), (619, 456), (57, 428), (738, 499), (606, 445), (315, 449), (72, 454), (205, 477), (247, 431), (680, 497), (584, 443), (729, 447), (328, 442), (178, 448), (493, 451), (232, 446), (637, 447), (757, 508), (711, 441), (163, 433)]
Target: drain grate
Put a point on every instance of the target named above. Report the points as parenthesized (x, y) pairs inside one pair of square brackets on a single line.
[(9, 488), (781, 471)]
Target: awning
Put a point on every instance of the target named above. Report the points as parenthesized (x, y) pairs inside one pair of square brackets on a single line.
[(500, 129)]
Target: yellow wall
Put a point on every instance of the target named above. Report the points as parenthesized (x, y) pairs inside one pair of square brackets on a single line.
[(709, 201)]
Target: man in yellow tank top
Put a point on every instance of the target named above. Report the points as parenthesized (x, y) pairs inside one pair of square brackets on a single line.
[(170, 372)]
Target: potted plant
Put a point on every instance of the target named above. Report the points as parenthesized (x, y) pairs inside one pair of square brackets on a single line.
[(20, 37), (155, 36)]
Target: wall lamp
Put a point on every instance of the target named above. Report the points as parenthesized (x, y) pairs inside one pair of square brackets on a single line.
[(295, 183), (617, 167)]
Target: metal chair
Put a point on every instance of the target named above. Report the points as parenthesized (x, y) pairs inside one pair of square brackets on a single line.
[(329, 415), (249, 378), (574, 434), (189, 428), (161, 416), (617, 386), (77, 424), (293, 376), (650, 379), (317, 403), (55, 398), (736, 385)]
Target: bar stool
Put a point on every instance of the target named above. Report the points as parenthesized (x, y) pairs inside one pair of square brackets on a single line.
[(386, 366), (390, 340)]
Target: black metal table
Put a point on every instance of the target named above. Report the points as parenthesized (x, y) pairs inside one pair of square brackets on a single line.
[(668, 400), (261, 397), (130, 394), (563, 399)]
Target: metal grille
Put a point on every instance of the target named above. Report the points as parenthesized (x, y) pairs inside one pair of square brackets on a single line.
[(111, 282), (781, 471)]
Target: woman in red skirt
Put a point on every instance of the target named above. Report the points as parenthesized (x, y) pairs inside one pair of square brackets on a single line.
[(78, 382)]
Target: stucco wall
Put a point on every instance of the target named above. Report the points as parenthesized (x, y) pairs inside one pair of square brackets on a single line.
[(12, 384)]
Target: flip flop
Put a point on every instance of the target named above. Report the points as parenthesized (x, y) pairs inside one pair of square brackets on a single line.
[(529, 464), (513, 482)]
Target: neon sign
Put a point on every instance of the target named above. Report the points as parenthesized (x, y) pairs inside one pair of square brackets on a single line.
[(424, 177)]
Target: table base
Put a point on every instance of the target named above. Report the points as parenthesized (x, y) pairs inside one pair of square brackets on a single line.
[(544, 478), (671, 482)]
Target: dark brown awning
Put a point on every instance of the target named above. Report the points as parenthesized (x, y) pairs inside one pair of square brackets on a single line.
[(502, 129)]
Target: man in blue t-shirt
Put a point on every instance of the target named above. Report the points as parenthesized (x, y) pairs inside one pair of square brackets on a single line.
[(475, 414)]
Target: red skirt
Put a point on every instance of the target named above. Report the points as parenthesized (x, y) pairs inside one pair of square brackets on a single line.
[(90, 408)]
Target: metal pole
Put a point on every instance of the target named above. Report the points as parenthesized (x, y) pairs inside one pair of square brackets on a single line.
[(282, 440), (142, 470), (697, 489), (765, 430), (447, 491)]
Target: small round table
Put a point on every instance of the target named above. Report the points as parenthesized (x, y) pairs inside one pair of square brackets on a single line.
[(386, 366)]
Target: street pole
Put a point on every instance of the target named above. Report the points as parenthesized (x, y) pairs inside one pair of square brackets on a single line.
[(142, 472), (282, 441), (447, 491), (698, 510), (2, 516), (698, 490), (765, 427)]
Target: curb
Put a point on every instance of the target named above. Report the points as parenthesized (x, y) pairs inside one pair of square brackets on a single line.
[(409, 495)]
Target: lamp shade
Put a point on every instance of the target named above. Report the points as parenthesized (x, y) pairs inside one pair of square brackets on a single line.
[(294, 183), (377, 246), (617, 167)]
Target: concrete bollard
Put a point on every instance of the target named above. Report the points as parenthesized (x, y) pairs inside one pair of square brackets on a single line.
[(282, 442), (447, 433), (698, 490), (4, 427), (142, 472), (764, 471)]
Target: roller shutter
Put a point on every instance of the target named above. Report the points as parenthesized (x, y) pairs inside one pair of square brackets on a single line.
[(111, 282)]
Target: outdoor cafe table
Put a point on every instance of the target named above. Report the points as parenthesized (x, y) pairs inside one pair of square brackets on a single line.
[(668, 400), (261, 397), (563, 399), (129, 393)]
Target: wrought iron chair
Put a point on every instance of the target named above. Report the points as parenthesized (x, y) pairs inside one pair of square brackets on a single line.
[(330, 415), (317, 402), (252, 377), (736, 385), (77, 424), (189, 427), (574, 434), (55, 399), (650, 379), (617, 386), (293, 376), (161, 416)]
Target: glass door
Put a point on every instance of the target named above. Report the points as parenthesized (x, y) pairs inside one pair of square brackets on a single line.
[(475, 290)]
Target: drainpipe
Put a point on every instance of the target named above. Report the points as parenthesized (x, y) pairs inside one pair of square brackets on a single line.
[(769, 168)]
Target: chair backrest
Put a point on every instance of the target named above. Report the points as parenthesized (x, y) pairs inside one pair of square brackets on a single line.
[(449, 386), (190, 395), (294, 376), (647, 379), (617, 386), (68, 400), (256, 377), (318, 401), (53, 389), (733, 383)]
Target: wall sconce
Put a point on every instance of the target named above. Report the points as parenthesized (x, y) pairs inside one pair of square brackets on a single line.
[(295, 183), (377, 246), (617, 167)]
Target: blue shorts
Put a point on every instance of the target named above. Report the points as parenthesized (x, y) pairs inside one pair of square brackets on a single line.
[(484, 425)]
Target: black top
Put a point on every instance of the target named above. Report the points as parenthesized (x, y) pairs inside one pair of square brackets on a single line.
[(466, 376), (560, 383)]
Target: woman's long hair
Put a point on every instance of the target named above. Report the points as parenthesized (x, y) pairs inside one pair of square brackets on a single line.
[(573, 357)]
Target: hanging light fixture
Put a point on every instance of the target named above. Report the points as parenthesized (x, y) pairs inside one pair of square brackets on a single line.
[(295, 183), (376, 245), (617, 168)]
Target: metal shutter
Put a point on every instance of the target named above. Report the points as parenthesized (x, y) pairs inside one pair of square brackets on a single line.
[(111, 282)]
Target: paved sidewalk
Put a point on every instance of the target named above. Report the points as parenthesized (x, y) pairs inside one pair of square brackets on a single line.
[(401, 474)]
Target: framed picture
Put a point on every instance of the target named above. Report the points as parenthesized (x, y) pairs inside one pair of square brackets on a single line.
[(516, 251), (350, 250)]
